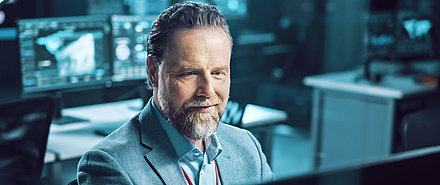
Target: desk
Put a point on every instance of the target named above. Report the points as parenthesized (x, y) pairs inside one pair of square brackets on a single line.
[(49, 157), (69, 142), (354, 120), (72, 140)]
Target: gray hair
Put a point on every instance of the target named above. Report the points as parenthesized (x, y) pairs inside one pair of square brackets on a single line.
[(188, 15)]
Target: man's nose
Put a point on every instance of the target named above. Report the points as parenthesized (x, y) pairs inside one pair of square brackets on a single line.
[(205, 86)]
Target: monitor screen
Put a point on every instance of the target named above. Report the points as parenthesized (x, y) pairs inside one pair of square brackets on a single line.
[(67, 52), (400, 36), (129, 35), (381, 34), (413, 36)]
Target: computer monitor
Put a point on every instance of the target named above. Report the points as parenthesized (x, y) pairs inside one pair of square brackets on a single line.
[(401, 37), (10, 75), (65, 53), (129, 36), (380, 34), (413, 37), (419, 166), (24, 128)]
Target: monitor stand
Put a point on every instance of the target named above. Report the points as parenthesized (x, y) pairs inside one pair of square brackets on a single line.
[(368, 75), (59, 118)]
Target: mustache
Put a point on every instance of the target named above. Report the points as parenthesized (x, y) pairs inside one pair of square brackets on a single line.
[(202, 102)]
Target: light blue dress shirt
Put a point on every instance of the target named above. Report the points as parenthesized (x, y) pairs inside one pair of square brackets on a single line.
[(200, 167)]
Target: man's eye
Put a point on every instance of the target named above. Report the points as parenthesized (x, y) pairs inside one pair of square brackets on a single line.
[(217, 73), (188, 73)]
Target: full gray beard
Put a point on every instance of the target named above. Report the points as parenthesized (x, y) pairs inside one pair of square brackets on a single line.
[(192, 124)]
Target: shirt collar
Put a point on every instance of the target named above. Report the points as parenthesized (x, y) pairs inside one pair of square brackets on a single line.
[(214, 149), (181, 145)]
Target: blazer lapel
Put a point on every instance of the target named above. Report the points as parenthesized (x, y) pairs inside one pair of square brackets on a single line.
[(224, 163), (230, 161), (162, 157), (166, 165)]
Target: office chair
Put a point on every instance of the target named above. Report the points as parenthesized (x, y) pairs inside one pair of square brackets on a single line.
[(421, 129), (73, 182), (24, 128)]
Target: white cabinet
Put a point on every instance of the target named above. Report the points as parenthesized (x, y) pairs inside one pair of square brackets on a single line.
[(353, 120)]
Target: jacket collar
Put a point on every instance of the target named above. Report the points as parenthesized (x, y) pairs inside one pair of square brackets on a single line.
[(161, 156), (225, 161)]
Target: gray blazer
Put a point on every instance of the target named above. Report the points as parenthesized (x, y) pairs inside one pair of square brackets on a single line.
[(140, 152)]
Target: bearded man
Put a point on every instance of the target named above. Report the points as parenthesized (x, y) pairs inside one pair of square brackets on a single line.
[(177, 137)]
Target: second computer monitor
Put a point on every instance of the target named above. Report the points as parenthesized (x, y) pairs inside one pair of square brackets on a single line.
[(130, 35)]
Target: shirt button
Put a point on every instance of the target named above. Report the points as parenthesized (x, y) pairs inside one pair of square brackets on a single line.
[(202, 172)]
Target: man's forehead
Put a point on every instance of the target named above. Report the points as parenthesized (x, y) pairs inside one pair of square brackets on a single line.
[(177, 34), (188, 65), (194, 52)]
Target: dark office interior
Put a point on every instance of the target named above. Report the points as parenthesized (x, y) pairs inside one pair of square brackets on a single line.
[(343, 87)]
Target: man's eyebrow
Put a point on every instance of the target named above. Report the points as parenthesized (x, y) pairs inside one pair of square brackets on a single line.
[(182, 68), (189, 68), (225, 67)]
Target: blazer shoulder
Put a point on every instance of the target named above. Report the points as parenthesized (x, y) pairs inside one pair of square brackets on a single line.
[(124, 136), (231, 128), (232, 131), (230, 134)]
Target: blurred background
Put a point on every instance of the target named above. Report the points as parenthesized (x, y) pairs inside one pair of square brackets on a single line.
[(92, 52)]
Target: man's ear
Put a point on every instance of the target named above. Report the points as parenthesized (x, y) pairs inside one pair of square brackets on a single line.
[(153, 70)]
